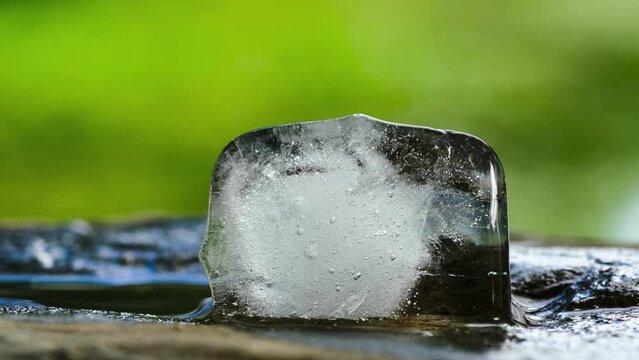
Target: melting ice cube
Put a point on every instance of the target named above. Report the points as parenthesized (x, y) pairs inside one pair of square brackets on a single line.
[(357, 218)]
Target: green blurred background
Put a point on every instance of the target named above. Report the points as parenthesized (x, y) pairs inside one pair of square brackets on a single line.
[(117, 108)]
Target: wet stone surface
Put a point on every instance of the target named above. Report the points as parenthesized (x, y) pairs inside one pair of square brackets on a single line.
[(573, 302), (145, 266)]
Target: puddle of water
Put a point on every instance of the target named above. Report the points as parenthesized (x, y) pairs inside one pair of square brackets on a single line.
[(157, 299)]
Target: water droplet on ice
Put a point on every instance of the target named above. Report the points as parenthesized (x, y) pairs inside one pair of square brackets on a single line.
[(393, 257), (310, 252), (331, 271), (332, 220), (300, 231)]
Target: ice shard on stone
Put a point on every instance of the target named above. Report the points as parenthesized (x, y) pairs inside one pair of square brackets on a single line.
[(357, 218)]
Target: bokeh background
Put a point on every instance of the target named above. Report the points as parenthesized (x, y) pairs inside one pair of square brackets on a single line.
[(112, 109)]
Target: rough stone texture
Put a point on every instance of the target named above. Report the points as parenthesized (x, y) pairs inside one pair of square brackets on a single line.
[(29, 339)]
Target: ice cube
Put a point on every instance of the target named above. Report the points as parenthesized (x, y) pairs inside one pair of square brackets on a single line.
[(357, 218)]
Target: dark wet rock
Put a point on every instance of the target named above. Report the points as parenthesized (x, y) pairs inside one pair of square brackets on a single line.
[(572, 278), (543, 285), (143, 266), (102, 250)]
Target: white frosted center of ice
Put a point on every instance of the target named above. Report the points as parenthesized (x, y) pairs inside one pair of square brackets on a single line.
[(339, 239)]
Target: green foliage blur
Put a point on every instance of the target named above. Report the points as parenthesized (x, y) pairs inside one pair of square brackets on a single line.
[(111, 109)]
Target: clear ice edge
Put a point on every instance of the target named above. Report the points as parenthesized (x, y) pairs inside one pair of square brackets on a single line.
[(357, 218)]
